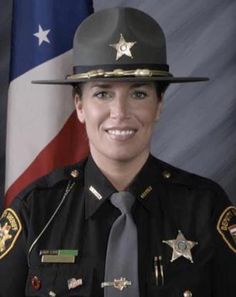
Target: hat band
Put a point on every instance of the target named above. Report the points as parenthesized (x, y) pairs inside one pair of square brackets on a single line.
[(110, 67), (119, 73)]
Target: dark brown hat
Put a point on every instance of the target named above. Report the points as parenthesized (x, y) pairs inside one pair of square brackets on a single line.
[(120, 44)]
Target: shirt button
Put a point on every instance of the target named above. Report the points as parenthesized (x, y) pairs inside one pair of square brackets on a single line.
[(166, 174), (188, 293), (36, 283), (74, 173)]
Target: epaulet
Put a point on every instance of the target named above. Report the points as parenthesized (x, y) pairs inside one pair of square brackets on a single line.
[(175, 175), (69, 173)]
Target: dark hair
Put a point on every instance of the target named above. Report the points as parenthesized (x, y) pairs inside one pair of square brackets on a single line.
[(77, 89), (160, 88)]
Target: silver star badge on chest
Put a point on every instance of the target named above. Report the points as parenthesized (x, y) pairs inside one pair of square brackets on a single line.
[(181, 247), (123, 47)]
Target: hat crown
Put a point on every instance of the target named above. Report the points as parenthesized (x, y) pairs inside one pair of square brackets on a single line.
[(96, 37), (120, 43)]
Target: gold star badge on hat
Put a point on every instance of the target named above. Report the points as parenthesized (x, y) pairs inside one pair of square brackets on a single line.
[(181, 247), (123, 47)]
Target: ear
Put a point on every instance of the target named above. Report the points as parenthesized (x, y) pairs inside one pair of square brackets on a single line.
[(79, 108), (159, 108)]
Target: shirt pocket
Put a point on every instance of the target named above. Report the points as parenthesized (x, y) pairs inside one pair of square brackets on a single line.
[(193, 280), (60, 280)]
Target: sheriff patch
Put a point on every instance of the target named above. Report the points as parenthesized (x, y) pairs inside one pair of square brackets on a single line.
[(226, 226), (10, 228)]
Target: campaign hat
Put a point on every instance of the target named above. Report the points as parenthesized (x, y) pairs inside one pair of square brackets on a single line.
[(121, 43)]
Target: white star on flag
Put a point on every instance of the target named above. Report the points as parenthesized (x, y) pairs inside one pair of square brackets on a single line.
[(42, 35)]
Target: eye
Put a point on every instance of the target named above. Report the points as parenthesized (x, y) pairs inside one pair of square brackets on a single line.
[(138, 94), (102, 95)]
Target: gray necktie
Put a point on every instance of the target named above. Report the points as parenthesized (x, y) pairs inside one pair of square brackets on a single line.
[(121, 270)]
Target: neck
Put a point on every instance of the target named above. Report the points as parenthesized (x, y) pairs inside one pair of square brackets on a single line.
[(121, 173)]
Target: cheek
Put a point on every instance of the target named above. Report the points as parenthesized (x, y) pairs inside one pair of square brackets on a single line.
[(148, 116), (93, 117)]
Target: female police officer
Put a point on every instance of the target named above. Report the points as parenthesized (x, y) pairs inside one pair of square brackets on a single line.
[(121, 222)]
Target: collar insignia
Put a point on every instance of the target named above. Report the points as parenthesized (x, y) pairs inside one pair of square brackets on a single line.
[(181, 247), (123, 48), (95, 192), (146, 192)]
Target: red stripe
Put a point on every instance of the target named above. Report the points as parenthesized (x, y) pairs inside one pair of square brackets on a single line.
[(68, 147)]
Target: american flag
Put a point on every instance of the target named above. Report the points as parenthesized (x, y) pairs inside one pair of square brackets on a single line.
[(42, 129)]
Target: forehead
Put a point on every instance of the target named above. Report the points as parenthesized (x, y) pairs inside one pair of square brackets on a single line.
[(117, 84)]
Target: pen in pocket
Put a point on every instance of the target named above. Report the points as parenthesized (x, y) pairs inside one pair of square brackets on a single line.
[(158, 271)]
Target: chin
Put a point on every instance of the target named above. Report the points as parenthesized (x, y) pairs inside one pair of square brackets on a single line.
[(123, 156)]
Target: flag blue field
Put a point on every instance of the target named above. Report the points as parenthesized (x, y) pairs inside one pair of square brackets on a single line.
[(58, 21)]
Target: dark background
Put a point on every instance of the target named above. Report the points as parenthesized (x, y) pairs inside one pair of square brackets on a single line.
[(197, 131)]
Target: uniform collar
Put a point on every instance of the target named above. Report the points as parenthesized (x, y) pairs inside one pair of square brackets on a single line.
[(97, 188), (146, 187)]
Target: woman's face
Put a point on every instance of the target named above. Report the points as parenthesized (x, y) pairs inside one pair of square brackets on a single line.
[(119, 118)]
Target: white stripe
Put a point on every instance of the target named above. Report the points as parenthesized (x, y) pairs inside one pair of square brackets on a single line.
[(36, 113)]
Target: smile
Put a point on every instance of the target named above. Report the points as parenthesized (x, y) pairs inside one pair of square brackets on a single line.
[(117, 132)]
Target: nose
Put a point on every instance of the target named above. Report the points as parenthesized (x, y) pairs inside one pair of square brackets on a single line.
[(120, 108)]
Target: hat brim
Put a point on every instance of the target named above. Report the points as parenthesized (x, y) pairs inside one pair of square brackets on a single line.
[(161, 79)]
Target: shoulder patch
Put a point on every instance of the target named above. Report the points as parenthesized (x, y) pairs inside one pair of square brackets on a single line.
[(226, 226), (10, 228)]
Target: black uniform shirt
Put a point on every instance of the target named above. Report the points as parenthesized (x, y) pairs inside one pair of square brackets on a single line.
[(69, 212)]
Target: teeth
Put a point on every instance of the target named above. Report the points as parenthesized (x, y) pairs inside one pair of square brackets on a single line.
[(121, 132)]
